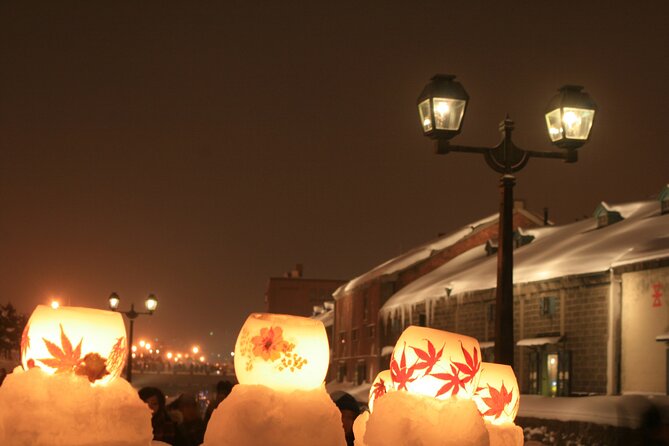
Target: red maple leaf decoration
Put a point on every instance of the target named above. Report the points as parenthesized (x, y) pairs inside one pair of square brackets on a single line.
[(379, 389), (399, 373), (64, 358), (453, 381), (498, 401), (117, 355), (472, 366), (25, 340), (427, 359)]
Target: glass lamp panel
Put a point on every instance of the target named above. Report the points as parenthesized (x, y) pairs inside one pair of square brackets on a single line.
[(448, 113), (425, 115), (436, 363), (282, 352), (577, 122), (382, 384), (497, 396), (83, 341), (554, 124), (151, 303)]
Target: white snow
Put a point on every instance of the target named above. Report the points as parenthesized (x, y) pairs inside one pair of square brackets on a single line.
[(359, 428), (528, 342), (573, 249), (403, 419), (37, 409), (419, 253), (255, 415), (505, 435), (624, 411)]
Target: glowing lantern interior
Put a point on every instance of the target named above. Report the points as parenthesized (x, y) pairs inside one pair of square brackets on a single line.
[(498, 397), (282, 352), (436, 363), (382, 384), (84, 341)]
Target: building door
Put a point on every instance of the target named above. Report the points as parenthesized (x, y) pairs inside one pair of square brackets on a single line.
[(361, 373)]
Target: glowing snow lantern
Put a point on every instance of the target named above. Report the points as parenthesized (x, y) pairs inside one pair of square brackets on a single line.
[(84, 341), (382, 384), (436, 363), (282, 352), (498, 397)]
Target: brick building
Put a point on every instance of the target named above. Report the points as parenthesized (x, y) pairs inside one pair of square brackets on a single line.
[(297, 295), (591, 313), (359, 344)]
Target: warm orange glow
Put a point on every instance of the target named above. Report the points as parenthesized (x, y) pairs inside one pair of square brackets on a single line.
[(282, 352), (133, 348), (84, 341), (196, 350), (201, 358), (147, 346), (169, 355), (436, 363), (55, 304), (382, 384), (142, 343), (498, 397)]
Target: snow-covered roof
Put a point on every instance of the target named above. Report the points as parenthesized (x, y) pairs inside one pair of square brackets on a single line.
[(415, 255), (558, 251), (528, 342), (327, 317)]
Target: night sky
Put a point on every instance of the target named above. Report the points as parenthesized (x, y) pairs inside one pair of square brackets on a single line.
[(195, 149)]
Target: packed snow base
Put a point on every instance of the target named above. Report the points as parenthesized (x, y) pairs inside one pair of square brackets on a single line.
[(257, 415), (38, 409), (404, 419)]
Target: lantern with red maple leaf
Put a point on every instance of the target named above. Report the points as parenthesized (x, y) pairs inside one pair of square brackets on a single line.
[(497, 398), (436, 363), (99, 353)]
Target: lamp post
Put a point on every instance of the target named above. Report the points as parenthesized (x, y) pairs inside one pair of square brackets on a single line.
[(151, 303), (569, 117)]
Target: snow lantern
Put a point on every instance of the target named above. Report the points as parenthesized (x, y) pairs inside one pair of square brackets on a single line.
[(382, 384), (282, 352), (436, 363), (498, 396), (83, 341)]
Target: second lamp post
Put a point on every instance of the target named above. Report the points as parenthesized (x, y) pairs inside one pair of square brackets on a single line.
[(569, 118)]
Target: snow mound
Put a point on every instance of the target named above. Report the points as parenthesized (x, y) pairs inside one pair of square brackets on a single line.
[(254, 415), (403, 419), (505, 435), (359, 428), (37, 409)]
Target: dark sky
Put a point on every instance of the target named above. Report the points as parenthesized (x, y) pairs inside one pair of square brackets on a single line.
[(195, 149)]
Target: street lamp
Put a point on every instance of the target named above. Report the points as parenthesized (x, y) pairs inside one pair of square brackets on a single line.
[(569, 118), (151, 303)]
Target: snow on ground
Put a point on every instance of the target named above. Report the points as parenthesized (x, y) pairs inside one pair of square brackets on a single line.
[(259, 416), (37, 409), (623, 411), (573, 249)]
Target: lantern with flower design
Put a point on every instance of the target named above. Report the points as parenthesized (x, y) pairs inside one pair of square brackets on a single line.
[(382, 384), (282, 352), (83, 341), (435, 363), (497, 396)]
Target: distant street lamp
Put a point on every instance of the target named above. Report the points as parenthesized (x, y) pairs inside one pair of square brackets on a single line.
[(151, 303), (569, 117)]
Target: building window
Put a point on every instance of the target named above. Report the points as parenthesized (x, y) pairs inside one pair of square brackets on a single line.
[(548, 306), (361, 373), (342, 337), (354, 335), (491, 311), (370, 331), (422, 320)]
